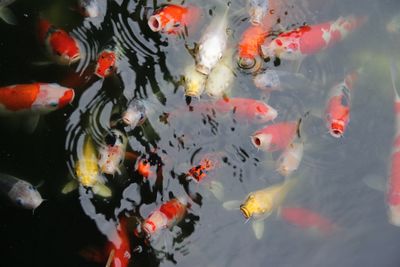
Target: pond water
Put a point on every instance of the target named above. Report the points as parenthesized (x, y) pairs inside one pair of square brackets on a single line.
[(333, 180)]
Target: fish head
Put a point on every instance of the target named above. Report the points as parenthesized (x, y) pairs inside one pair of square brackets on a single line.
[(261, 140), (253, 63), (252, 207), (336, 127), (89, 8), (257, 14), (63, 47), (267, 80), (52, 97), (154, 223), (282, 47), (25, 195), (194, 82), (105, 64), (135, 114), (209, 54), (262, 113)]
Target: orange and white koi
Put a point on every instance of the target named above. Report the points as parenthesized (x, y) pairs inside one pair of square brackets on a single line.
[(212, 44), (35, 98), (173, 19), (276, 136), (165, 217), (143, 167), (249, 47), (307, 219), (308, 40), (111, 155), (337, 112), (59, 44), (393, 187)]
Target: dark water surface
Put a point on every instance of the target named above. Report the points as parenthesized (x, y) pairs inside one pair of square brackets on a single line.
[(331, 176)]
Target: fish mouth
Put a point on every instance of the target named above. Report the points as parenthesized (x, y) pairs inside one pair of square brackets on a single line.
[(155, 23), (67, 98), (251, 64), (337, 129), (245, 212)]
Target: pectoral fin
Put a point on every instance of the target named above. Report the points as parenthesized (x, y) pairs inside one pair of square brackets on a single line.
[(69, 187), (101, 190), (258, 228), (217, 189), (232, 205), (8, 16), (375, 182), (29, 123)]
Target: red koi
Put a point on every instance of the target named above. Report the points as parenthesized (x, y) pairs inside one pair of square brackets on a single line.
[(393, 188), (59, 44), (307, 219), (172, 19), (338, 106), (35, 97), (166, 216), (106, 63), (120, 248), (308, 40), (276, 136)]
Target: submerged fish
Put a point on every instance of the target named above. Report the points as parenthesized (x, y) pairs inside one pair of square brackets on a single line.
[(173, 19), (308, 40), (337, 111), (221, 77), (393, 25), (5, 13), (60, 46), (290, 158), (278, 80), (119, 247), (257, 10), (194, 81), (135, 114), (88, 8), (20, 192), (165, 217), (262, 203), (87, 172), (112, 153), (212, 44)]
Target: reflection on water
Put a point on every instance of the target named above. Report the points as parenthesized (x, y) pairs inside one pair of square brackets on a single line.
[(199, 150)]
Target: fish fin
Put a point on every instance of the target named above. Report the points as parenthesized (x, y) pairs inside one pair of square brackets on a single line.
[(110, 258), (42, 63), (101, 190), (258, 228), (217, 189), (8, 16), (231, 205), (30, 123), (69, 187), (375, 182)]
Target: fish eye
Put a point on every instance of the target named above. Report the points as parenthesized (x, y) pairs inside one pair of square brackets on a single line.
[(19, 202), (53, 104), (31, 188)]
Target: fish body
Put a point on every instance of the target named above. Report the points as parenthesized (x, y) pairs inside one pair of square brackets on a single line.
[(89, 8), (119, 247), (257, 10), (249, 47), (290, 158), (166, 216), (221, 77), (173, 19), (135, 114), (276, 136), (337, 112), (212, 44), (35, 98), (308, 40), (194, 81), (278, 80), (112, 154), (19, 192), (59, 45)]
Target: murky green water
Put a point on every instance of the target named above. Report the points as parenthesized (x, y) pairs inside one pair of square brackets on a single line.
[(331, 176)]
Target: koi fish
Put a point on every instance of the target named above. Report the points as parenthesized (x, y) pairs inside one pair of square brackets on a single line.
[(290, 158), (29, 101), (257, 10), (308, 40), (250, 46), (143, 168), (60, 46), (19, 192), (248, 109), (111, 155), (278, 80), (307, 219), (262, 203), (199, 172), (107, 60), (276, 136), (393, 187), (135, 114), (87, 172), (173, 19), (212, 44), (120, 248), (166, 216), (221, 77), (337, 112), (194, 81), (6, 14), (88, 8)]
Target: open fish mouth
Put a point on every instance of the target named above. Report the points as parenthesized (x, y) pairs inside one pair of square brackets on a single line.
[(245, 212)]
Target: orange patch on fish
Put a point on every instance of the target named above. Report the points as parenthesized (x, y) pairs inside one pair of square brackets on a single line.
[(19, 97)]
